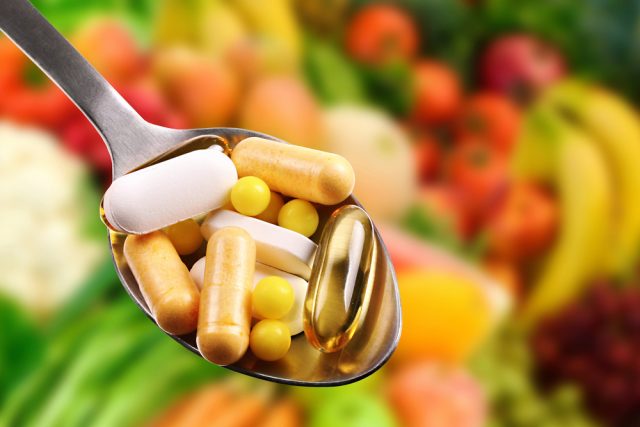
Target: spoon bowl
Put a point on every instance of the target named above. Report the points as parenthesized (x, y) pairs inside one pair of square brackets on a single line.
[(134, 143)]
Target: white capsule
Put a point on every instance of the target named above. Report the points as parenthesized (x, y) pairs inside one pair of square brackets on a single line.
[(294, 318), (276, 247), (170, 191)]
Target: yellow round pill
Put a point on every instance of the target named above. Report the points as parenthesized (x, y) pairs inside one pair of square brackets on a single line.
[(185, 236), (270, 340), (300, 216), (272, 298), (250, 196), (271, 213)]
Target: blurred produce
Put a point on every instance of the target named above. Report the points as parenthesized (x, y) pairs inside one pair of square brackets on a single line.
[(524, 224), (380, 154), (565, 157), (492, 118), (111, 48), (381, 33), (21, 345), (231, 404), (276, 24), (445, 315), (427, 394), (615, 130), (285, 108), (479, 175), (504, 367), (494, 185), (359, 404), (104, 365), (437, 93), (28, 96), (49, 217), (521, 66), (452, 224), (603, 362), (333, 78), (427, 153), (181, 23), (204, 89)]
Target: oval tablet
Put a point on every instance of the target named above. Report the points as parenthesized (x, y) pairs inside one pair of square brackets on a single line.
[(294, 318), (277, 247), (168, 192)]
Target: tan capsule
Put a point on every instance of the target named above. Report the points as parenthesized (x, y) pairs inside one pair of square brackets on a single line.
[(225, 303), (299, 172), (341, 279), (164, 280)]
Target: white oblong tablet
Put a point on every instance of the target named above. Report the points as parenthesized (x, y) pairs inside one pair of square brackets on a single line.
[(294, 318), (276, 246), (170, 191)]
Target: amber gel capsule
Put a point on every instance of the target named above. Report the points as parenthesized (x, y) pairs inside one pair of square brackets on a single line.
[(299, 172), (164, 280), (225, 302), (341, 279)]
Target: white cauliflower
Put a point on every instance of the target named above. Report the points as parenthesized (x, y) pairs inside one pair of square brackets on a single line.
[(44, 253)]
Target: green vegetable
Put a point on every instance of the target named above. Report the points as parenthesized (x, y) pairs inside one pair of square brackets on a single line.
[(333, 78), (21, 345), (426, 225)]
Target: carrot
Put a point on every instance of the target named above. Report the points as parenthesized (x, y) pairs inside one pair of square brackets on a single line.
[(244, 412), (285, 413), (167, 418), (196, 409)]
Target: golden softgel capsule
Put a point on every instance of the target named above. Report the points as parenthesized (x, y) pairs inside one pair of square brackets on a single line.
[(164, 280), (295, 171), (225, 302), (341, 279)]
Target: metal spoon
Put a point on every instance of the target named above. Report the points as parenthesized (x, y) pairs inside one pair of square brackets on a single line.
[(133, 143)]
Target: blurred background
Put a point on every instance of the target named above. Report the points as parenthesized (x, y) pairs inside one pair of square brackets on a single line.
[(495, 144)]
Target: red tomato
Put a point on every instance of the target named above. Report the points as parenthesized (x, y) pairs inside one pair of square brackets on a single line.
[(380, 33), (437, 93), (524, 224), (491, 117), (426, 151), (479, 174), (26, 94)]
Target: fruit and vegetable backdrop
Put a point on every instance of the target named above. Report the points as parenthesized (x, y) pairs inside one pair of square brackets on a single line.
[(495, 144)]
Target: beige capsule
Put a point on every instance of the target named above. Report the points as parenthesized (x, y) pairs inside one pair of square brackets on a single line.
[(225, 303), (300, 172), (164, 280)]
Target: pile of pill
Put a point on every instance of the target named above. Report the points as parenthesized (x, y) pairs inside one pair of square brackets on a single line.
[(262, 278)]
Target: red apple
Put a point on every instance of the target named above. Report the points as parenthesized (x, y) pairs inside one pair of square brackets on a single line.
[(521, 65)]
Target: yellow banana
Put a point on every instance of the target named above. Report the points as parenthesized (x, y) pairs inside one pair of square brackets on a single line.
[(583, 184), (274, 21), (615, 129)]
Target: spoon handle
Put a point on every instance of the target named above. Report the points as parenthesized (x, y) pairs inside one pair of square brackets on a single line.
[(130, 139)]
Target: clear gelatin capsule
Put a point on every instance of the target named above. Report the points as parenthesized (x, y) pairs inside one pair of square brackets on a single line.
[(341, 279)]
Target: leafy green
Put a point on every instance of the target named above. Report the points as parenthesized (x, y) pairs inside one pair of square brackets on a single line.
[(334, 79), (21, 345)]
